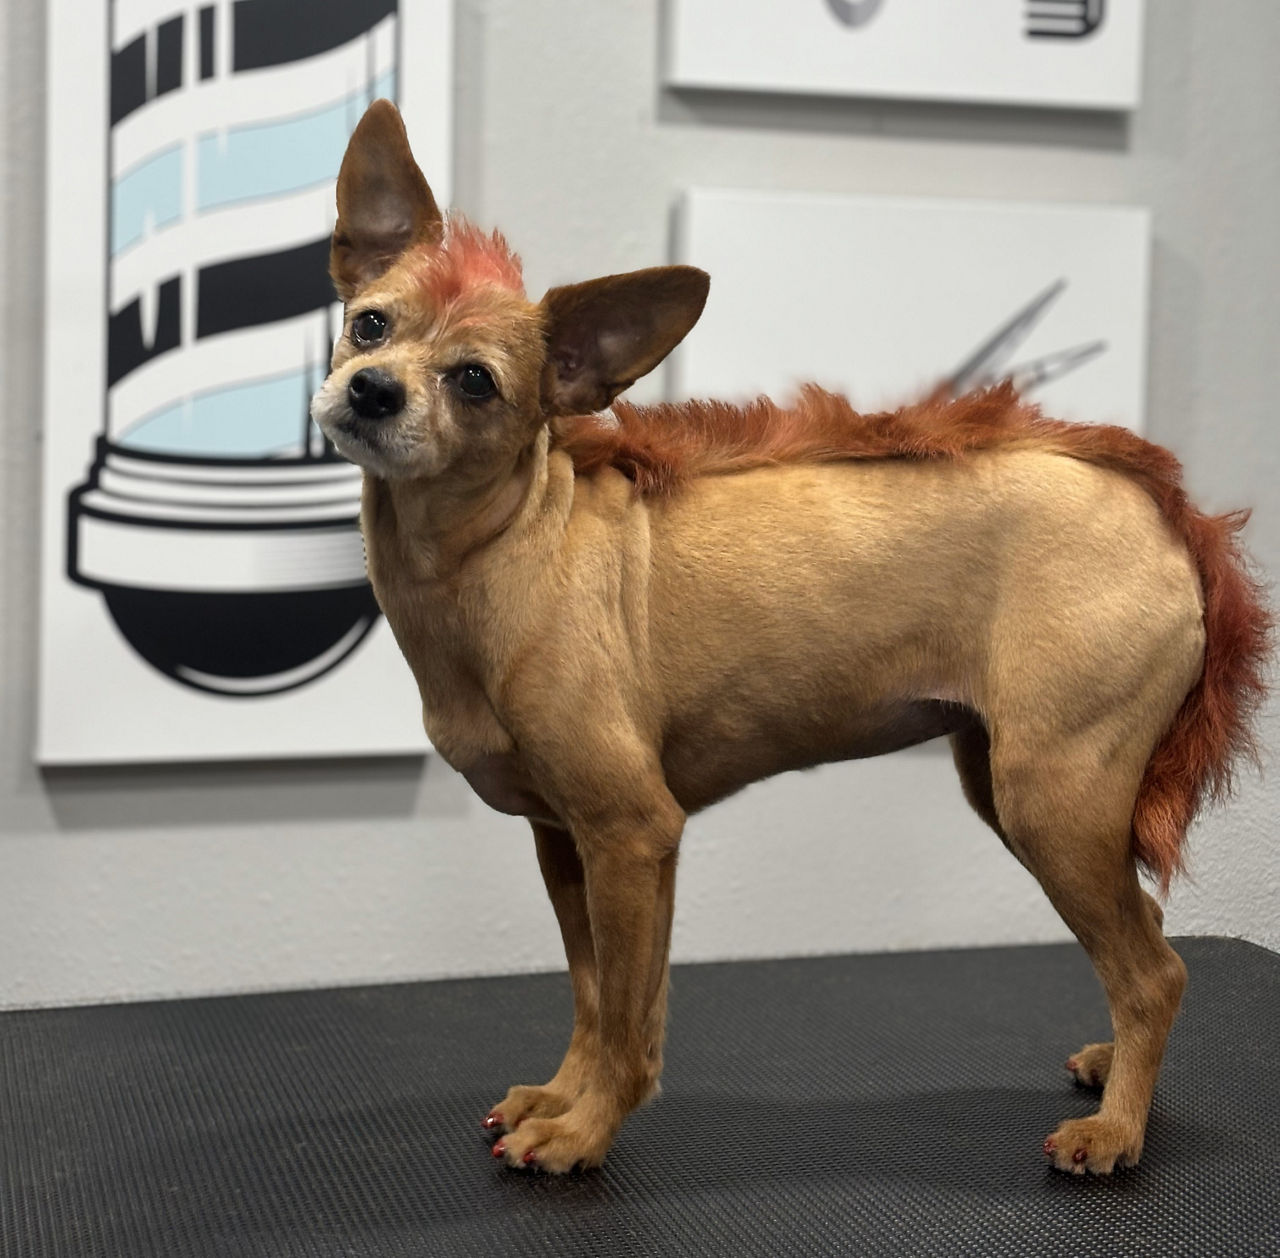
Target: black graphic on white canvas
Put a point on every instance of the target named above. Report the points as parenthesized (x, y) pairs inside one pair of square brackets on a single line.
[(219, 527), (1064, 19), (854, 12), (986, 365)]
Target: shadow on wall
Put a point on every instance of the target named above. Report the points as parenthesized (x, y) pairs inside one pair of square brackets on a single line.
[(266, 792), (392, 788), (1100, 130)]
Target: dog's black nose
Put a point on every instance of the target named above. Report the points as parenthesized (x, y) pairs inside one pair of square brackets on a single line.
[(375, 394)]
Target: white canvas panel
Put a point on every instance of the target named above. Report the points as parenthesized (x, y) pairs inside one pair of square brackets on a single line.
[(203, 593), (883, 298), (1084, 53)]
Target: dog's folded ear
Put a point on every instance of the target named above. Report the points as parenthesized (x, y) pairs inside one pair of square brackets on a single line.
[(384, 203), (605, 334)]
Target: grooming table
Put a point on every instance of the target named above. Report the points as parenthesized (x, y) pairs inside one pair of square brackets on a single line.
[(846, 1105)]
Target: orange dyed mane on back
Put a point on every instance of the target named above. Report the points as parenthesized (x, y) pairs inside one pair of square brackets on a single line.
[(662, 447)]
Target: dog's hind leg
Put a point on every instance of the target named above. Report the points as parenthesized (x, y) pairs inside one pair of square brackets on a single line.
[(971, 748), (1066, 807), (565, 881), (1091, 1065)]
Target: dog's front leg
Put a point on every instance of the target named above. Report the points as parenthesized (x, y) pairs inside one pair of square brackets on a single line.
[(565, 880), (628, 865)]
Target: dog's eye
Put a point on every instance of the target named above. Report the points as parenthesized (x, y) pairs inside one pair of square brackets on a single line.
[(475, 382), (368, 327)]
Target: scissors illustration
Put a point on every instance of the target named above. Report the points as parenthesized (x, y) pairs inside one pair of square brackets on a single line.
[(984, 366)]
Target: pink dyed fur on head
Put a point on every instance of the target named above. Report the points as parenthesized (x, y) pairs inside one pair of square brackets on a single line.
[(465, 260)]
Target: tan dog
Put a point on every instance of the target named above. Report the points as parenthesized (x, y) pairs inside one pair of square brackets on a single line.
[(617, 620)]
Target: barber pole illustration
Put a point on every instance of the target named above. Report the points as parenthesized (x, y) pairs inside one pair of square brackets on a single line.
[(216, 529), (222, 533)]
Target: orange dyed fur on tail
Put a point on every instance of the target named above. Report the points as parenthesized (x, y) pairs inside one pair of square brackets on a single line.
[(661, 447)]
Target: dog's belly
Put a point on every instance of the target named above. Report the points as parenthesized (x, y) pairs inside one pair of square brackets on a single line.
[(708, 760)]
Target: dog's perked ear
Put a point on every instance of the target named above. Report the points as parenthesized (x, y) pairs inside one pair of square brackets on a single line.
[(605, 334), (384, 203)]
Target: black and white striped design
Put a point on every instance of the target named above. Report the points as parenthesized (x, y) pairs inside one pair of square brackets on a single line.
[(227, 125)]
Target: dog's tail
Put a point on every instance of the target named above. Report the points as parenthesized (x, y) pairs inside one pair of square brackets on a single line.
[(1195, 759)]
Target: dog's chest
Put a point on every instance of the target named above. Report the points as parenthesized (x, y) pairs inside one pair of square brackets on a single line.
[(456, 712), (504, 784), (465, 730)]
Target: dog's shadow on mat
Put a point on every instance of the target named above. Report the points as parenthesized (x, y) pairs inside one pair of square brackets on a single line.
[(988, 1137)]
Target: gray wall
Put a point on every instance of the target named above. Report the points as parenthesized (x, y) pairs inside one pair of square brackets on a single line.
[(117, 884)]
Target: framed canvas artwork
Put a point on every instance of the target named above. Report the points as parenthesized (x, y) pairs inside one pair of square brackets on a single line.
[(1065, 53), (204, 592), (885, 299)]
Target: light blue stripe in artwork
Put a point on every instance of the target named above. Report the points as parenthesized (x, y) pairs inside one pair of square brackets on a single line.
[(146, 198), (247, 420), (269, 159)]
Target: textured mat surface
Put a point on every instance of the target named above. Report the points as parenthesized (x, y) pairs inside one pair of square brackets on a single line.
[(853, 1105)]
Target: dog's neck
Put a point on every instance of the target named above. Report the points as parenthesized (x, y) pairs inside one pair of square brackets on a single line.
[(428, 532), (450, 573)]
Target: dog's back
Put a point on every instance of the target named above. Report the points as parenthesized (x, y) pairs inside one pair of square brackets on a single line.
[(803, 613), (1133, 494)]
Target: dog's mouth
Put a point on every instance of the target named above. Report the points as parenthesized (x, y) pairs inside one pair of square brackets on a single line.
[(359, 440), (350, 434), (352, 427), (379, 443)]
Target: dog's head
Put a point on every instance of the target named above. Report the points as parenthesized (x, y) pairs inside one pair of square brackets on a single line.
[(444, 365)]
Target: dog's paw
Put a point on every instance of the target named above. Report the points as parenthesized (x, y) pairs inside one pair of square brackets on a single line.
[(526, 1102), (1094, 1144), (574, 1139), (1091, 1065)]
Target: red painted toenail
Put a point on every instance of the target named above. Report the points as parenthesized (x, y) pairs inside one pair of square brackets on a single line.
[(1079, 1155), (492, 1119), (500, 1148), (1049, 1146), (530, 1157)]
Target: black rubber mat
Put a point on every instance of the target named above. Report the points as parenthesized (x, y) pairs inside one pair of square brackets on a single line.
[(850, 1105)]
